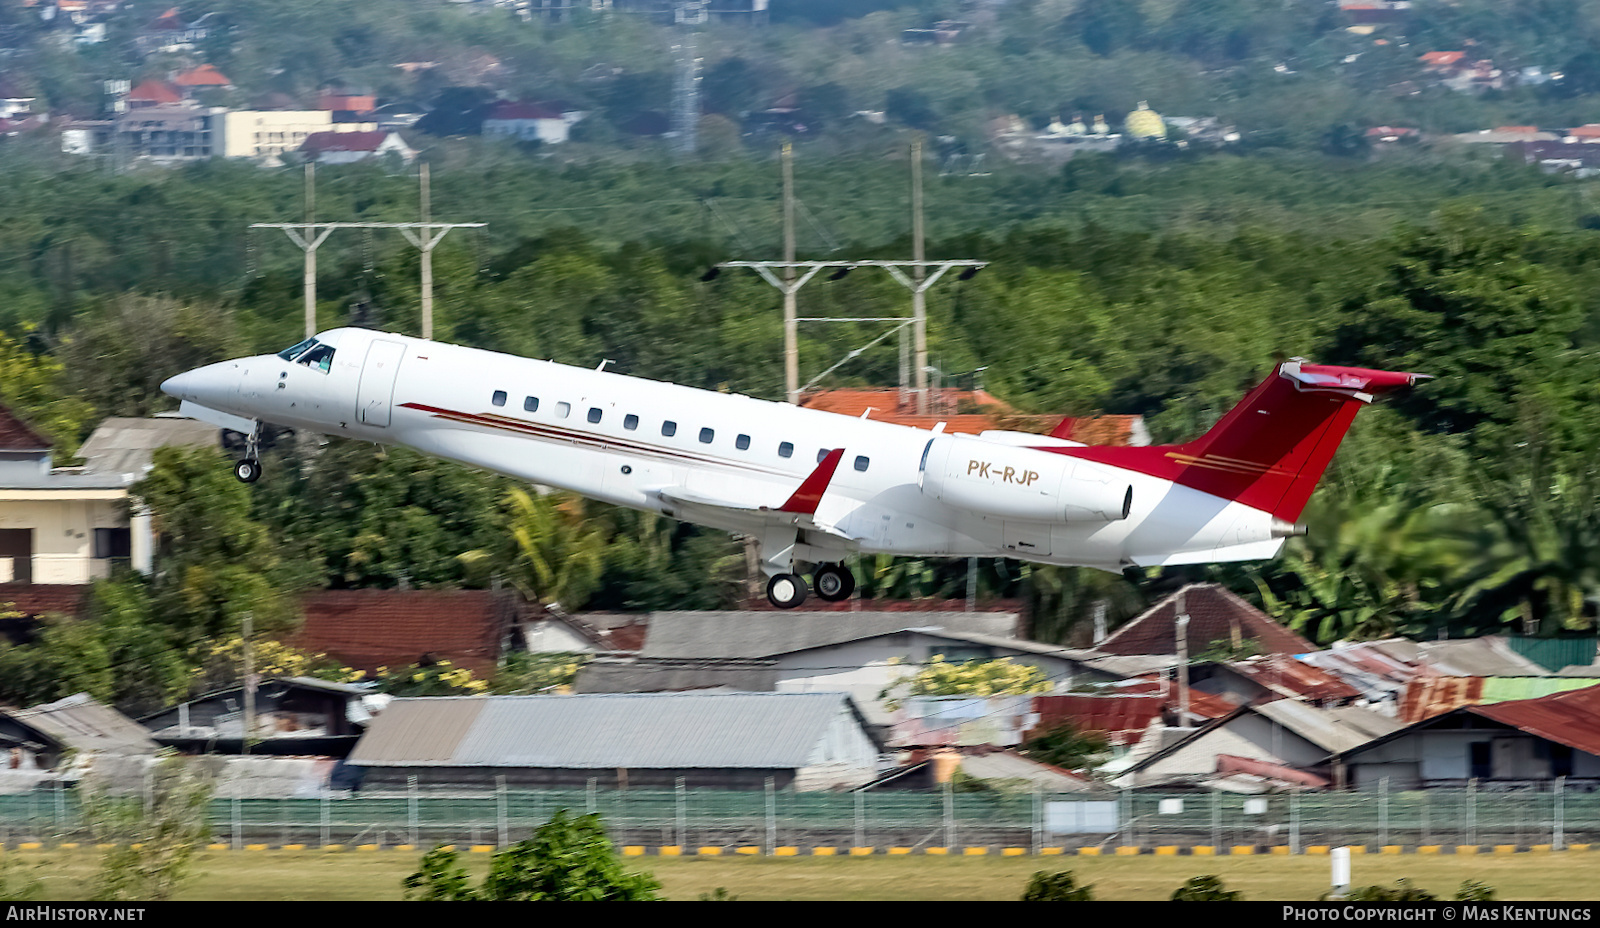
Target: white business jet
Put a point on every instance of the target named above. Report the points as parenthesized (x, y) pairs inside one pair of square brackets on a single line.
[(812, 487)]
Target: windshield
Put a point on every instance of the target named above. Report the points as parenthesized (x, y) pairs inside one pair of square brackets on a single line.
[(289, 354), (318, 358)]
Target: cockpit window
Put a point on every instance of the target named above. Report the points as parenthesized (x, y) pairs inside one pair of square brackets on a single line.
[(319, 358), (289, 354)]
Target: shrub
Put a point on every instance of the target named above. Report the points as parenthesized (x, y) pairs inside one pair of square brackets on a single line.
[(1056, 887), (567, 860), (1207, 888)]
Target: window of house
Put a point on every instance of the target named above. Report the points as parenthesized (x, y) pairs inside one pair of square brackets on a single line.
[(630, 422), (499, 398), (530, 404), (706, 435), (594, 414), (862, 461), (669, 428), (563, 410), (742, 442), (114, 542), (786, 449)]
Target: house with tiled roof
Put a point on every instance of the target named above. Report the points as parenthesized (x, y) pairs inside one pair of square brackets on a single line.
[(349, 147), (1217, 617), (529, 122), (204, 77), (368, 629), (153, 92)]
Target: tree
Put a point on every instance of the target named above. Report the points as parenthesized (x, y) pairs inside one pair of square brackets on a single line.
[(157, 835), (431, 678), (569, 859), (1205, 889), (1065, 746), (560, 554), (1061, 886)]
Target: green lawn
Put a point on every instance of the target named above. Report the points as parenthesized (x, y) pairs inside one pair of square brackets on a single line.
[(318, 875)]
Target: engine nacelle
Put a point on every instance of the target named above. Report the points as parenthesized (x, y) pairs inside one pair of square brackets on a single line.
[(1021, 484)]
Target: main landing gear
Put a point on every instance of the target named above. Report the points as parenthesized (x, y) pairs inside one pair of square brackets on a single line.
[(249, 469), (833, 582)]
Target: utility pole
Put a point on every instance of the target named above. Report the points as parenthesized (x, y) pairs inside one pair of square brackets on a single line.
[(249, 681), (427, 260), (310, 235), (791, 337), (1182, 630), (919, 311)]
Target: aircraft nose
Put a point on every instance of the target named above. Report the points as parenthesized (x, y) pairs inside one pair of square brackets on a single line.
[(204, 385)]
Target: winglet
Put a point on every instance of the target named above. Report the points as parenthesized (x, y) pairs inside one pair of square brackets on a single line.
[(806, 498)]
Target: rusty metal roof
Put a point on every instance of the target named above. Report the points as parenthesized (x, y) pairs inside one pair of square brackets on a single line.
[(1215, 615), (1292, 678), (1571, 718)]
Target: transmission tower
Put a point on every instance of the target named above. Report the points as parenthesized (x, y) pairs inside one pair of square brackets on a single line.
[(688, 15)]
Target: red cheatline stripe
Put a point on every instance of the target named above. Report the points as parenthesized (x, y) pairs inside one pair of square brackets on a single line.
[(806, 498)]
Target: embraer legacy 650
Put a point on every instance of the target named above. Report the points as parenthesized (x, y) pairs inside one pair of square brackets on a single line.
[(813, 487)]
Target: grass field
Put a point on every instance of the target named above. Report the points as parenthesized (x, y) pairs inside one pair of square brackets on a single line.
[(319, 875)]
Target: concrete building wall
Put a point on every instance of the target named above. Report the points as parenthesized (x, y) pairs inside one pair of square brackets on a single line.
[(63, 531), (263, 133)]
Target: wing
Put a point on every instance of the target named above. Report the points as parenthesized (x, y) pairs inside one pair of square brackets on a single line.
[(799, 509)]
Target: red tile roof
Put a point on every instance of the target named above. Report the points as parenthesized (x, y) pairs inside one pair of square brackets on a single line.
[(360, 103), (37, 599), (343, 141), (368, 629), (1098, 430), (1214, 615), (204, 76), (154, 91), (965, 411), (509, 109), (1437, 59), (16, 435)]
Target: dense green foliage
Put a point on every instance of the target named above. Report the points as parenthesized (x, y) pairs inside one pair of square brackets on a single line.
[(1209, 888), (152, 840), (568, 859), (1060, 886)]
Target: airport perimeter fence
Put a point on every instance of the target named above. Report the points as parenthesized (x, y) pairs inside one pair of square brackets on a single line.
[(770, 819)]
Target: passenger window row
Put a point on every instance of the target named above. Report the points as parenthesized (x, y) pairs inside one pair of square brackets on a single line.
[(669, 428)]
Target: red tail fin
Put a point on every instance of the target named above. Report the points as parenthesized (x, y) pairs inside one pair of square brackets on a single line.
[(1269, 451)]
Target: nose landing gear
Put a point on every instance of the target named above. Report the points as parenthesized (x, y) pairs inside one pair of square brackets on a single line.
[(248, 470)]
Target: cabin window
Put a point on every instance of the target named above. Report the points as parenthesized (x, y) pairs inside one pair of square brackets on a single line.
[(706, 435), (530, 404), (594, 414), (669, 428), (742, 442), (294, 351), (499, 398), (822, 453), (563, 410), (786, 449), (630, 422), (862, 461)]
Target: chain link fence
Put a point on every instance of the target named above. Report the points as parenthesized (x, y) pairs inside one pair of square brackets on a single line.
[(773, 818)]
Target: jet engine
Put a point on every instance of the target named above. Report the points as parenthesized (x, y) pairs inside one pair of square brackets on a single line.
[(1021, 484)]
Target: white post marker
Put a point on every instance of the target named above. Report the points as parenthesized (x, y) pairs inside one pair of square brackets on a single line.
[(1340, 858)]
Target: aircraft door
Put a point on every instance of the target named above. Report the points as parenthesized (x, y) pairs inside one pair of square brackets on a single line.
[(376, 392)]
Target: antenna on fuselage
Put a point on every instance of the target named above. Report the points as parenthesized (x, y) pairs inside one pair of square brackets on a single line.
[(603, 363)]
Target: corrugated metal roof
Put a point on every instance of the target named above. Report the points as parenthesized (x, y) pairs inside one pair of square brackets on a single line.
[(1004, 765), (1331, 730), (1571, 718), (126, 446), (763, 634), (81, 723), (603, 730), (1289, 677)]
